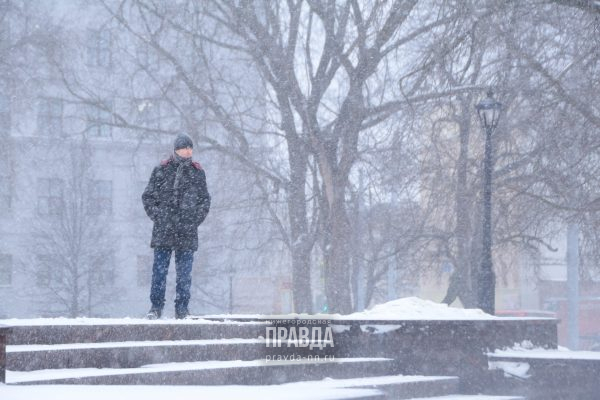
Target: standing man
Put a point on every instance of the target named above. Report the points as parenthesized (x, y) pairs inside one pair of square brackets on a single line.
[(177, 201)]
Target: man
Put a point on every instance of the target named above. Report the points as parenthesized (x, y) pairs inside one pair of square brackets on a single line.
[(177, 201)]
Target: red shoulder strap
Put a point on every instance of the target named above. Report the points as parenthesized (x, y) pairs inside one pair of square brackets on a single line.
[(165, 162), (196, 165)]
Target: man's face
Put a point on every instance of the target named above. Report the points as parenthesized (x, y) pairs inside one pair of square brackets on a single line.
[(185, 152)]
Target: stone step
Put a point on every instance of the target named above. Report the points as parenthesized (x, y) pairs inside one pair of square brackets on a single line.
[(255, 372), (548, 374), (404, 386), (355, 388), (88, 331), (130, 354)]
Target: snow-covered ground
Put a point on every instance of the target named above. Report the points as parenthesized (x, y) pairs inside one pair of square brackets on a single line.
[(317, 390), (407, 308), (414, 308), (327, 389), (293, 391)]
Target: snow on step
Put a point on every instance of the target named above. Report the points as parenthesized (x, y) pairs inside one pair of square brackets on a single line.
[(290, 391), (547, 354), (70, 373), (110, 345), (318, 390), (85, 321), (408, 308)]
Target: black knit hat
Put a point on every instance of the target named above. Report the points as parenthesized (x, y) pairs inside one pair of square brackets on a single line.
[(182, 141)]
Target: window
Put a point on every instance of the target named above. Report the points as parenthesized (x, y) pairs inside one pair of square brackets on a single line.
[(50, 117), (99, 119), (98, 48), (100, 200), (101, 269), (50, 196), (5, 270), (103, 276), (43, 271), (144, 270), (5, 193), (147, 58)]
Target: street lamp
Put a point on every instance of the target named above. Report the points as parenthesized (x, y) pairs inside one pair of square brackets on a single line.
[(489, 113)]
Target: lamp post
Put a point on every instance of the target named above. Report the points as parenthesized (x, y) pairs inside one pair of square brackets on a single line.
[(489, 113), (230, 275)]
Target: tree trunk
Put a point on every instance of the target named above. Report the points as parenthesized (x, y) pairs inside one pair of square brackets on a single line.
[(335, 169), (300, 241), (337, 254)]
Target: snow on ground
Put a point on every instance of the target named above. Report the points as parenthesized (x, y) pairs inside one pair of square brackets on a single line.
[(416, 308), (562, 353), (293, 391), (38, 375), (550, 354), (316, 390), (327, 389), (511, 368), (408, 308)]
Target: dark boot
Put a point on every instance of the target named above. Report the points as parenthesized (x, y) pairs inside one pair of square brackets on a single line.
[(181, 314), (154, 313)]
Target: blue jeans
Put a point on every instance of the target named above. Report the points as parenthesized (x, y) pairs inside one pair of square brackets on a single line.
[(183, 269)]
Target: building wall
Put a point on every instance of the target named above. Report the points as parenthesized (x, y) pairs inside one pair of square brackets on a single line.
[(35, 143)]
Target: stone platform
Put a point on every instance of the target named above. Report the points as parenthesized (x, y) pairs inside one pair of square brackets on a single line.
[(403, 358), (434, 347)]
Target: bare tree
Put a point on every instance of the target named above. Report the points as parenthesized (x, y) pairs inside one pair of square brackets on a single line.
[(74, 263), (326, 62)]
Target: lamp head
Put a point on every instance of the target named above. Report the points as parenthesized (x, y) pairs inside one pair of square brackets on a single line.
[(489, 111)]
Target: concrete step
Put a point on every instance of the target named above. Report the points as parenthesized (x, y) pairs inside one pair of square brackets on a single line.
[(256, 372), (548, 374), (357, 388), (404, 386), (130, 354), (65, 330), (288, 391)]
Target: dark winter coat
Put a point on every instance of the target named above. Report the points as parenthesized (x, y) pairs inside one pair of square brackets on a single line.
[(176, 214)]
